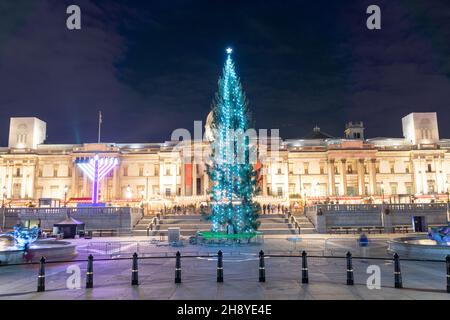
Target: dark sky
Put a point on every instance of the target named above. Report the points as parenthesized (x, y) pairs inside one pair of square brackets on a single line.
[(152, 66)]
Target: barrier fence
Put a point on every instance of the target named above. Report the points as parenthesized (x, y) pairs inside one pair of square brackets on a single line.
[(342, 272)]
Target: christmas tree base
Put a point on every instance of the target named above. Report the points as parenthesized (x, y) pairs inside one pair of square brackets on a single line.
[(223, 238)]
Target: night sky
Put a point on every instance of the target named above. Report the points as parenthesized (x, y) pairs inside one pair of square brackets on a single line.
[(153, 66)]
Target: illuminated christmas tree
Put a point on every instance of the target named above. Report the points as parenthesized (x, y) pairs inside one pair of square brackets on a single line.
[(234, 180)]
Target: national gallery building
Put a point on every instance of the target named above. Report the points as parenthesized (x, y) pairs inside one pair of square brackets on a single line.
[(316, 168)]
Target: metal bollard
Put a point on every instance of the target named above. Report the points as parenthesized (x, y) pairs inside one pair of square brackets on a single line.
[(41, 276), (349, 269), (397, 272), (305, 278), (178, 268), (220, 266), (262, 269), (90, 273), (447, 261), (135, 271)]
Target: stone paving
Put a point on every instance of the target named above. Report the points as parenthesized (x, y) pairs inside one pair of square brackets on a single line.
[(327, 276)]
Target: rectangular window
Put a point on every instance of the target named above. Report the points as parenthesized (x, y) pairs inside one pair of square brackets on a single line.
[(291, 168), (280, 191), (429, 167), (394, 189), (409, 188), (392, 168), (125, 171), (306, 167), (322, 169), (141, 171), (168, 192)]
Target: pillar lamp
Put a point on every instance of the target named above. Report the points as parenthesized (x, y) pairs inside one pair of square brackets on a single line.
[(66, 189), (448, 200), (3, 196)]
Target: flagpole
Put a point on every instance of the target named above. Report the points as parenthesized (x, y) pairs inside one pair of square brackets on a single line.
[(99, 125)]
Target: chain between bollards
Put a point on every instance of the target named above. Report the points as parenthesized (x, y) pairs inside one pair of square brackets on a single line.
[(178, 267), (262, 268), (350, 281), (447, 262), (305, 278), (397, 272), (41, 276), (220, 266), (90, 272), (135, 271)]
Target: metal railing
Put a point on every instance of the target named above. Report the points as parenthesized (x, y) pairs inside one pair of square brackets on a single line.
[(346, 271)]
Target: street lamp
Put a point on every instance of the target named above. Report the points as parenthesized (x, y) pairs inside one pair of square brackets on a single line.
[(3, 207), (317, 191), (448, 200), (3, 196), (66, 189), (128, 193), (382, 192)]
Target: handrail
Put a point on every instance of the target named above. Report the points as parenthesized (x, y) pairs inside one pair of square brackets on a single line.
[(216, 255)]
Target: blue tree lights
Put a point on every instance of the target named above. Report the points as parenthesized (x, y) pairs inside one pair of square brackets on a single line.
[(231, 171)]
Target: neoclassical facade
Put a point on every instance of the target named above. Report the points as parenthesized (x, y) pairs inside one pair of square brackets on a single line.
[(318, 167)]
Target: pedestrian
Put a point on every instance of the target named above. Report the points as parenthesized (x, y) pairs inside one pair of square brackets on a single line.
[(27, 254), (363, 242)]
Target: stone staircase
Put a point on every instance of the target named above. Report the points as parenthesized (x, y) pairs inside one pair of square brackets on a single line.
[(271, 224)]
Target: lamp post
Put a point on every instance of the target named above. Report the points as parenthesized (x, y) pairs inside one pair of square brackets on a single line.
[(3, 196), (66, 189), (128, 193), (448, 200), (147, 176), (382, 192), (317, 191), (3, 206)]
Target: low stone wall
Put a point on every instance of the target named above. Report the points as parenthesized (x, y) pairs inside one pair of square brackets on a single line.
[(327, 216), (117, 218)]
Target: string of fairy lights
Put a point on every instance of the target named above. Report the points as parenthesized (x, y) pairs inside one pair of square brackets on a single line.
[(233, 176)]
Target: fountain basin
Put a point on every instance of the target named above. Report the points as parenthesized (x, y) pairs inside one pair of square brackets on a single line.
[(418, 247), (50, 249)]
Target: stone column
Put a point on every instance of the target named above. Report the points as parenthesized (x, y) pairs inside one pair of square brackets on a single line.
[(183, 178), (343, 177), (361, 184), (331, 178), (9, 186), (115, 184), (205, 182), (424, 175), (31, 180), (286, 179), (161, 174), (174, 177), (372, 177), (194, 178), (264, 179), (23, 186), (74, 186)]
